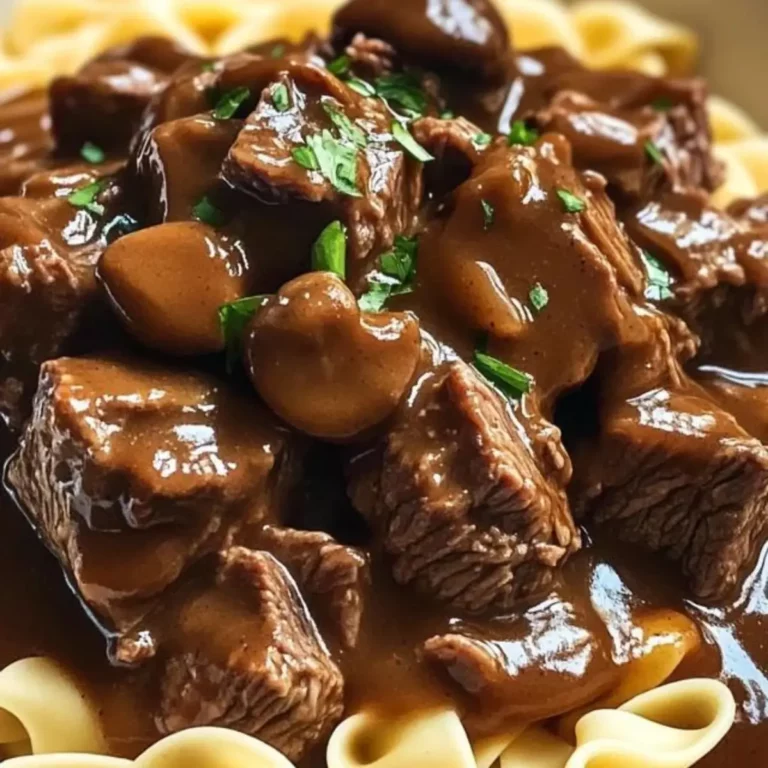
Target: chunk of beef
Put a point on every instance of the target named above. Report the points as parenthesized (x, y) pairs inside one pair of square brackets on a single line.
[(247, 656), (102, 103), (154, 51), (717, 264), (673, 472), (361, 363), (175, 164), (752, 212), (25, 139), (468, 500), (467, 35), (540, 223), (131, 472), (48, 292), (327, 144), (332, 577), (370, 56)]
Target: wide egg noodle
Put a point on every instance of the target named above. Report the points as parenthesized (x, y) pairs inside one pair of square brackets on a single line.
[(540, 24), (43, 711)]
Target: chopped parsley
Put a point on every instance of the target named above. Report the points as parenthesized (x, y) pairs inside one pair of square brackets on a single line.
[(329, 253), (277, 51), (305, 157), (361, 86), (571, 203), (229, 102), (538, 297), (447, 114), (208, 66), (280, 97), (398, 270), (233, 318), (403, 137), (340, 66), (347, 129), (336, 161), (521, 134), (662, 104), (92, 153), (87, 197), (488, 214), (208, 213), (509, 380), (659, 286), (482, 139), (653, 151), (404, 91)]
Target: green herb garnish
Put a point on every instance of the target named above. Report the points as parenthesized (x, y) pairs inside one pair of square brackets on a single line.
[(509, 380), (233, 319), (447, 114), (361, 86), (230, 102), (208, 213), (347, 129), (571, 203), (398, 270), (336, 161), (305, 157), (91, 153), (277, 51), (662, 104), (653, 151), (280, 97), (404, 91), (659, 286), (86, 197), (400, 262), (482, 139), (538, 297), (521, 134), (340, 66), (329, 253), (208, 66), (488, 214), (403, 137)]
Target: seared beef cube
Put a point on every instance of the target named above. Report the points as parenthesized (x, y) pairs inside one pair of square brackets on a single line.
[(102, 103), (538, 223), (247, 655), (467, 35), (178, 162), (742, 394), (131, 472), (676, 474), (467, 500), (332, 577), (154, 51), (717, 265), (48, 291), (751, 212), (25, 139), (371, 57), (313, 138)]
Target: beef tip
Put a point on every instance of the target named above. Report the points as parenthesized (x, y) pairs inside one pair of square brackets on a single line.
[(25, 138), (154, 51), (741, 393), (168, 282), (174, 165), (466, 498), (673, 472), (514, 204), (371, 57), (465, 35), (102, 103), (332, 577), (131, 472), (360, 363), (752, 212), (248, 656), (324, 143), (48, 291), (716, 264)]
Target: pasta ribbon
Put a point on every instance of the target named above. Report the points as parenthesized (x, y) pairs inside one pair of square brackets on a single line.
[(539, 24), (43, 711)]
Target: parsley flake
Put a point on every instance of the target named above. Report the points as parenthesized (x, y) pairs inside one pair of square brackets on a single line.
[(447, 114), (571, 203), (659, 286), (522, 135), (329, 253), (91, 153), (336, 161), (208, 66), (403, 90), (489, 212), (208, 213), (662, 104), (403, 137), (400, 262), (233, 319), (538, 297), (347, 129), (280, 97), (305, 157), (361, 86), (277, 51), (340, 66), (653, 151), (509, 380), (230, 102), (482, 139), (86, 197), (398, 271)]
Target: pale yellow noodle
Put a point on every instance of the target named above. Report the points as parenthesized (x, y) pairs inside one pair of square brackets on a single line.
[(539, 24)]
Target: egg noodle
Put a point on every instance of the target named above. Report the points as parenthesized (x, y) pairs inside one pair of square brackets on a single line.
[(643, 723)]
